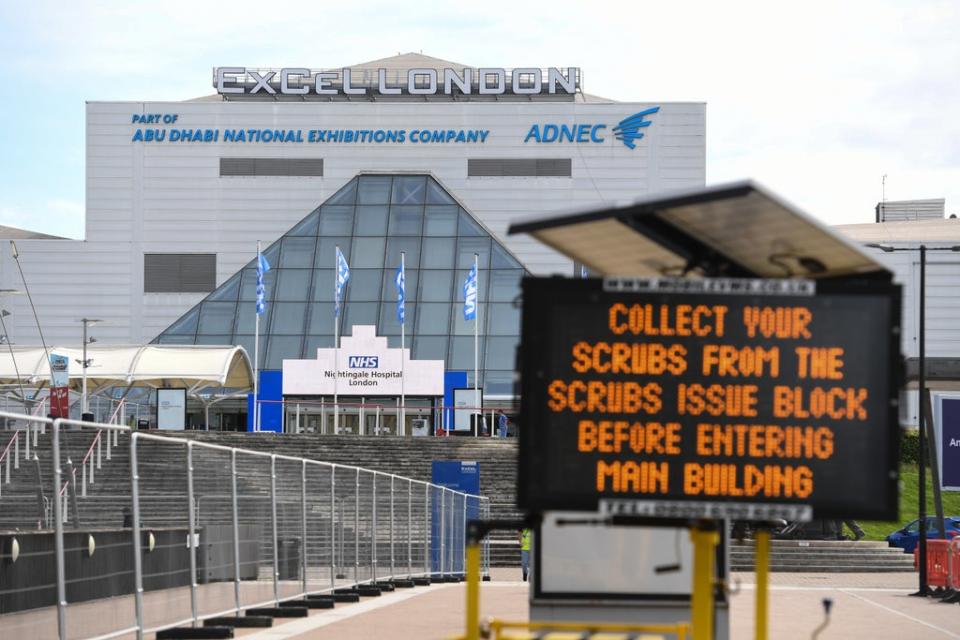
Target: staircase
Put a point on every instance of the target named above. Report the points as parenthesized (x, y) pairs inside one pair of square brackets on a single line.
[(826, 556)]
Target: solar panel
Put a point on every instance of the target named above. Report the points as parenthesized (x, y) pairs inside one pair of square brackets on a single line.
[(735, 229)]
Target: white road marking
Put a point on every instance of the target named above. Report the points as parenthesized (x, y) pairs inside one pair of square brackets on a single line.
[(946, 632)]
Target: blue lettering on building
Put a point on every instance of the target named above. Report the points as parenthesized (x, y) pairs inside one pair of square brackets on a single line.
[(363, 362), (299, 136), (628, 131)]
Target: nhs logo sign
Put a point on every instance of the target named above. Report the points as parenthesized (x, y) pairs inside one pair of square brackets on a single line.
[(363, 362), (628, 131)]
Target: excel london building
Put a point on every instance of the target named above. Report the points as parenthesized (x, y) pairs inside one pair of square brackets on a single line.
[(409, 154)]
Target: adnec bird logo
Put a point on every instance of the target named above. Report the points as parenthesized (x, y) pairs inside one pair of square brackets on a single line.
[(630, 129)]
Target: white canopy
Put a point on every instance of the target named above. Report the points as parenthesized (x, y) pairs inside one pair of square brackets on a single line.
[(192, 367)]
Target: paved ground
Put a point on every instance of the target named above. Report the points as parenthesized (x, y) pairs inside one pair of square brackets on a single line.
[(872, 606)]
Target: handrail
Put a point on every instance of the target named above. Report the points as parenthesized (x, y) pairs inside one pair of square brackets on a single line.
[(92, 445), (6, 450)]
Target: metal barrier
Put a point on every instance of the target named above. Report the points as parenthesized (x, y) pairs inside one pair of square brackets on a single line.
[(259, 528)]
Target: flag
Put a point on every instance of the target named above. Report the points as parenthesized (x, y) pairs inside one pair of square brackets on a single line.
[(343, 274), (583, 271), (400, 279), (262, 267), (470, 294)]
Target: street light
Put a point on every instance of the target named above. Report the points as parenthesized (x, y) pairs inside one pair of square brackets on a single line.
[(87, 322), (922, 384)]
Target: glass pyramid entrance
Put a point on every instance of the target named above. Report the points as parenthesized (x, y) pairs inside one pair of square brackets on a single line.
[(373, 218)]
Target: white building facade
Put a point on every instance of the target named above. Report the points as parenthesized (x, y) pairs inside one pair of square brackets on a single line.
[(179, 193)]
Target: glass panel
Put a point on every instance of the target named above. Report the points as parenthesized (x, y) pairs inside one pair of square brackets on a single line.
[(165, 338), (465, 327), (389, 325), (335, 221), (408, 189), (217, 317), (367, 252), (280, 348), (435, 284), (434, 318), (297, 252), (312, 343), (222, 340), (412, 248), (228, 291), (437, 194), (468, 227), (185, 326), (371, 221), (357, 313), (364, 284), (326, 251), (294, 284), (346, 195), (504, 319), (440, 220), (389, 288), (501, 352), (505, 285), (374, 190), (461, 354), (246, 318), (307, 226), (322, 286), (406, 221), (430, 347), (502, 259), (246, 341), (438, 253), (498, 383), (466, 247), (321, 318), (288, 318)]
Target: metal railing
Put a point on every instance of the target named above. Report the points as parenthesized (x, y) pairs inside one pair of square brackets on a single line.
[(260, 528)]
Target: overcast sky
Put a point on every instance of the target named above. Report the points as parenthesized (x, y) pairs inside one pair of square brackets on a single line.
[(817, 100)]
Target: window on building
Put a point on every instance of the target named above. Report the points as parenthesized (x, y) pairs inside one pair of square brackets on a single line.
[(179, 272)]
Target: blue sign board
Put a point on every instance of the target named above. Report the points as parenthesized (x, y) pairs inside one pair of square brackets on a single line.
[(463, 476), (271, 405), (950, 443)]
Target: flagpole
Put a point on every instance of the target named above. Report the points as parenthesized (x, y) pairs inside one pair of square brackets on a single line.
[(336, 339), (256, 357), (403, 337), (476, 350)]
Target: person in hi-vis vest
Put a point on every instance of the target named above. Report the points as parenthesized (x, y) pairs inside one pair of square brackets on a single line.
[(525, 551)]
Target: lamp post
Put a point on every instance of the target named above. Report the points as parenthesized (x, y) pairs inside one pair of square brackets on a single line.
[(922, 390), (6, 338), (87, 322)]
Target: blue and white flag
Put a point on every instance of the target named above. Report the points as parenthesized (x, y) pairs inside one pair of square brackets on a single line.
[(470, 294), (400, 279), (343, 274), (262, 267)]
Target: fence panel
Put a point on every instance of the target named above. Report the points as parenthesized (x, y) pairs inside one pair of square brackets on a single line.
[(254, 482), (290, 508), (320, 547), (214, 533)]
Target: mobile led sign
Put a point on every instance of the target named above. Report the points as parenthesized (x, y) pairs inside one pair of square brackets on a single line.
[(749, 399)]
